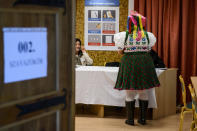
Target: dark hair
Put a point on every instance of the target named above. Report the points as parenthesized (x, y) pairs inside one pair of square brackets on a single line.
[(77, 39), (80, 52)]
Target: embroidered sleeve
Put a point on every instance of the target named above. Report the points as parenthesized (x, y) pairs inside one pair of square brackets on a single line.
[(119, 39), (152, 39)]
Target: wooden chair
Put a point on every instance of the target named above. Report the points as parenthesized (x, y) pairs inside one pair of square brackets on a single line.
[(194, 107), (187, 107)]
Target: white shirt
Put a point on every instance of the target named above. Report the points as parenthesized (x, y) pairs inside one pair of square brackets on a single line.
[(119, 39)]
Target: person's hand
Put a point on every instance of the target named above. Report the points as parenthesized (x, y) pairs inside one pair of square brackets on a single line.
[(121, 52), (83, 49)]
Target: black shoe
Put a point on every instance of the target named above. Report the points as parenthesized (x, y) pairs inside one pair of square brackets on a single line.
[(142, 121), (130, 107), (130, 122), (142, 112)]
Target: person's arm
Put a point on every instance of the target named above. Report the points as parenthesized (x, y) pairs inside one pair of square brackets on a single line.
[(119, 40), (152, 39), (88, 60)]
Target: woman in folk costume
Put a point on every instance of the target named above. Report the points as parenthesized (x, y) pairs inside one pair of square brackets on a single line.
[(137, 72)]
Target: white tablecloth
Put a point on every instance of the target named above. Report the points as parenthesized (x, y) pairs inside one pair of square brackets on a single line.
[(94, 85)]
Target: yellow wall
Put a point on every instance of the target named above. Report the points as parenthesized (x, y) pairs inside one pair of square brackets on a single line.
[(100, 57)]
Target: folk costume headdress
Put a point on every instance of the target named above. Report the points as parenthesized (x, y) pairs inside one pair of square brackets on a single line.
[(136, 24)]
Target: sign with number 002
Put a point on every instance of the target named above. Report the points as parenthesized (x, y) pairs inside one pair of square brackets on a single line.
[(25, 47), (25, 53)]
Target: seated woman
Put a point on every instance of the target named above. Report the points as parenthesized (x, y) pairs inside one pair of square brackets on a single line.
[(81, 57)]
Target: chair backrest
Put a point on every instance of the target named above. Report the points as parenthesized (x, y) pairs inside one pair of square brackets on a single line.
[(194, 100), (112, 64), (183, 90)]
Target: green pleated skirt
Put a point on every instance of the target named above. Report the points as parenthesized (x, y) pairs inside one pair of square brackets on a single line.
[(136, 72)]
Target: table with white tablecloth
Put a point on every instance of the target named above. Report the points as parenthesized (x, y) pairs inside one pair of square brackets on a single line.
[(94, 85)]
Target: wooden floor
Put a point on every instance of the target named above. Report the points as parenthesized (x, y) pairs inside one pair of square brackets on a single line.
[(170, 123)]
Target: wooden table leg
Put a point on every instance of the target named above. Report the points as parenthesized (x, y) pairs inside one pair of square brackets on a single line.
[(99, 110)]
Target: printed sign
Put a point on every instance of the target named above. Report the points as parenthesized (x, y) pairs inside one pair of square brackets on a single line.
[(101, 23), (25, 53), (94, 28), (108, 40), (109, 15), (94, 15), (109, 28), (94, 40)]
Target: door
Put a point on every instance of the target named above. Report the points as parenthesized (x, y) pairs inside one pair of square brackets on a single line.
[(43, 103)]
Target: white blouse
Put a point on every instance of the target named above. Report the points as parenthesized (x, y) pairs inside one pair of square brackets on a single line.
[(83, 60), (119, 40)]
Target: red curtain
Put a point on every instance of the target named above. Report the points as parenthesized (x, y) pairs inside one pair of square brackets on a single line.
[(174, 23)]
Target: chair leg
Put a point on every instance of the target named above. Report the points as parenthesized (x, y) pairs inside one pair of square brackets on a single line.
[(192, 126), (181, 122)]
